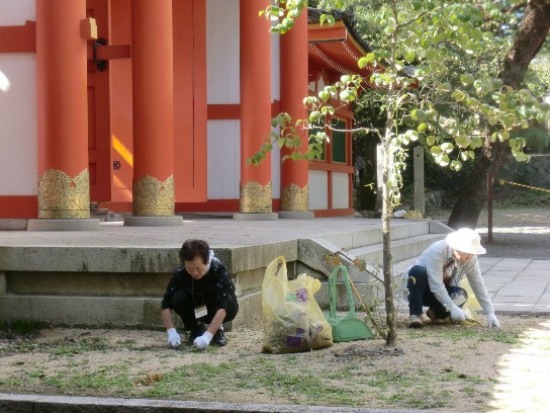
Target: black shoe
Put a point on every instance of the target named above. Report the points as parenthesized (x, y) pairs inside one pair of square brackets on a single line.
[(219, 339), (196, 332)]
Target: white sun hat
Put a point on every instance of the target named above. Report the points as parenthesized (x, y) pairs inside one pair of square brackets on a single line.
[(465, 240)]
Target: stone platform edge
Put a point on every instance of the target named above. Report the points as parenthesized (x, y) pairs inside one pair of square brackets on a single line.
[(19, 403)]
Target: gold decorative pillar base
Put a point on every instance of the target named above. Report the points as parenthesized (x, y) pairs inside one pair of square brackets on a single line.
[(154, 198), (256, 198), (294, 198), (295, 203), (63, 197)]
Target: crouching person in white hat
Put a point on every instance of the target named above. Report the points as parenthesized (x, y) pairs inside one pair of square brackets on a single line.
[(433, 281)]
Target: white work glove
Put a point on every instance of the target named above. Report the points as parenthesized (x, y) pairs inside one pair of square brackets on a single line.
[(492, 320), (174, 339), (456, 313), (203, 341)]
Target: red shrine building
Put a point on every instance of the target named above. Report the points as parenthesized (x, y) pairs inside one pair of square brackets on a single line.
[(152, 108)]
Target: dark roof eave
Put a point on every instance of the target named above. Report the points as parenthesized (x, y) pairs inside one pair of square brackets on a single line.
[(314, 17)]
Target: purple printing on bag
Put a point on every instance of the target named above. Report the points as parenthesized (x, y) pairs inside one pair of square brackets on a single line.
[(301, 295)]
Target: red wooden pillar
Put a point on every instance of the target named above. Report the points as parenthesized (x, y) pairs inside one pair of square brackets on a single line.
[(63, 176), (294, 88), (255, 89), (153, 108)]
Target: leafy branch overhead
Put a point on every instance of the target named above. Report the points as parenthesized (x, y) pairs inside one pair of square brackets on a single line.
[(444, 70)]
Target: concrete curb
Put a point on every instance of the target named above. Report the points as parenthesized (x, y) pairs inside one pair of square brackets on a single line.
[(10, 403)]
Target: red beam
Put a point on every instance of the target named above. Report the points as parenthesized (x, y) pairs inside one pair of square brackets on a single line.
[(18, 39)]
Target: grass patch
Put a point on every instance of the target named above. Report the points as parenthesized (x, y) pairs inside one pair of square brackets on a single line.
[(66, 347), (464, 332), (114, 380), (190, 379), (418, 400), (78, 346)]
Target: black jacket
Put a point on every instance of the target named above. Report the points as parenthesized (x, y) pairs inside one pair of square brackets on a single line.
[(215, 288)]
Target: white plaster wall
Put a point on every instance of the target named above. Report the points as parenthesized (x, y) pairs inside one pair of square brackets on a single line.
[(224, 159), (340, 190), (275, 67), (18, 126), (222, 51), (18, 135), (318, 190), (276, 172), (16, 12), (275, 95)]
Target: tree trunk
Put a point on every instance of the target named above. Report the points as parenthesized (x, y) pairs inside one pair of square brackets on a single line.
[(387, 258), (527, 43)]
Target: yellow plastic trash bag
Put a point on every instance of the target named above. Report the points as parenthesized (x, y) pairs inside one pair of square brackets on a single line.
[(472, 307), (293, 321)]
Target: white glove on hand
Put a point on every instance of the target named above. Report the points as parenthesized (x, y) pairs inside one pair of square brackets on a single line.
[(174, 339), (492, 321), (456, 313), (203, 341)]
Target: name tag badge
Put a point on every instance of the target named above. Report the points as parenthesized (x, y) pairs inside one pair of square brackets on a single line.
[(200, 311)]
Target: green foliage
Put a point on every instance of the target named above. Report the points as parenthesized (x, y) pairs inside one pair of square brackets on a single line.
[(537, 78), (284, 14), (435, 72)]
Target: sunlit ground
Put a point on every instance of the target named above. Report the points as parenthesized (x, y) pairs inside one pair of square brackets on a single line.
[(523, 380)]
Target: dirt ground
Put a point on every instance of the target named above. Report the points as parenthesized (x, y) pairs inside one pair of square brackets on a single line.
[(459, 368)]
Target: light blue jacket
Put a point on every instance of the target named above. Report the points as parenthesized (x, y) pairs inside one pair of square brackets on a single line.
[(434, 259)]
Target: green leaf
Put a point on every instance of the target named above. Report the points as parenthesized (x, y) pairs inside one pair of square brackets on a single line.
[(314, 116), (458, 95), (418, 114), (326, 18), (467, 79), (324, 95), (447, 147), (444, 87), (456, 165), (348, 95), (410, 56), (366, 60), (462, 141), (435, 150), (327, 110), (475, 142), (492, 120)]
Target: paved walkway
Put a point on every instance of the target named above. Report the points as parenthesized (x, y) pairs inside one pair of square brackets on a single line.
[(518, 285)]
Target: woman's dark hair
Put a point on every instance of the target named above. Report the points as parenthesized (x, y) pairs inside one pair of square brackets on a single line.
[(193, 248)]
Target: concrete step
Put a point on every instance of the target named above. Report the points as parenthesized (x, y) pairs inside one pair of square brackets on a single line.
[(402, 249), (408, 240), (372, 235)]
